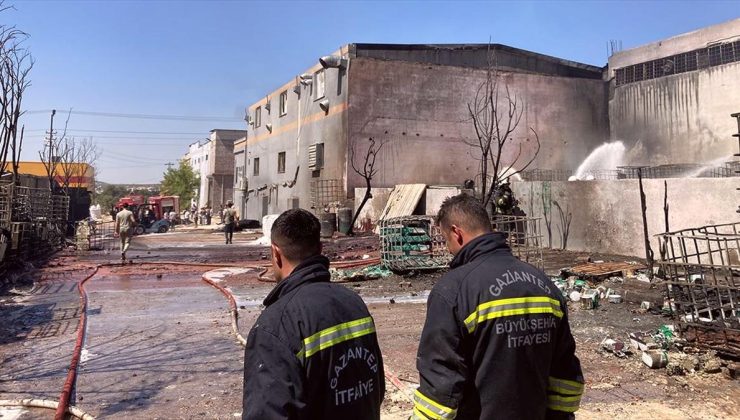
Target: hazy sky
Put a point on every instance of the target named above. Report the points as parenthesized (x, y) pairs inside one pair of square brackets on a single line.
[(212, 59)]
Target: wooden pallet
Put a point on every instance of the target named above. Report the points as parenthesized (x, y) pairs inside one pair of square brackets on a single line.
[(605, 269)]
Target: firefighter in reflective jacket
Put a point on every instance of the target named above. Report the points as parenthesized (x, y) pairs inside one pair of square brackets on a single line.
[(496, 343), (313, 352)]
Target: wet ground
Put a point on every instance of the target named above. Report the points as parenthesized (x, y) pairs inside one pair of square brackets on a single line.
[(159, 342)]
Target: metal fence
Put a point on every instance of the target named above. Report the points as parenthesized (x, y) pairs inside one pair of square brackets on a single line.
[(701, 268), (523, 235), (95, 236), (412, 243), (33, 221), (326, 193), (678, 170)]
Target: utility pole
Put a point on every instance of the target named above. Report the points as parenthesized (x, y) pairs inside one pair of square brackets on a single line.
[(51, 166), (169, 165), (245, 178)]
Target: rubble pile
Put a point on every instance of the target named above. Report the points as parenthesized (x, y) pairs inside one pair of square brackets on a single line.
[(657, 348)]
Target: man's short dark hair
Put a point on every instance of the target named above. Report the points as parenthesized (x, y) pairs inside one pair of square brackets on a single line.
[(297, 233), (464, 211), (125, 205)]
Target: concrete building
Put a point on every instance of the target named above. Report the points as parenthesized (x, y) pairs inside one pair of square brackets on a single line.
[(240, 175), (197, 156), (670, 100), (213, 161), (414, 99)]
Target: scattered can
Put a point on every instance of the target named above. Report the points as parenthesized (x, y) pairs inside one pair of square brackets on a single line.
[(615, 298), (655, 359), (590, 299)]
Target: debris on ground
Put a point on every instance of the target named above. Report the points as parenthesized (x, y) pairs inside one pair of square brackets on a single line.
[(616, 347), (370, 272), (602, 270)]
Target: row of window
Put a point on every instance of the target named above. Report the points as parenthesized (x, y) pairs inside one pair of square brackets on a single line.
[(711, 56), (315, 161), (318, 91), (194, 162), (280, 168)]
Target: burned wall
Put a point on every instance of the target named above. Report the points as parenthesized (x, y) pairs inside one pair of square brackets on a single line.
[(682, 113), (683, 118), (420, 111), (606, 215)]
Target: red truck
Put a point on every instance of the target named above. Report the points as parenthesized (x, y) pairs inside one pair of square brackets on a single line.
[(152, 215)]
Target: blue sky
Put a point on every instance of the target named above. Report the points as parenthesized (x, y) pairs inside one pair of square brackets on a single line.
[(212, 59)]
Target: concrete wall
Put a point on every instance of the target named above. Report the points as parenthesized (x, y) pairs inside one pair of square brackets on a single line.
[(434, 197), (240, 167), (374, 207), (197, 156), (675, 45), (220, 175), (606, 215), (304, 124), (684, 118), (420, 111)]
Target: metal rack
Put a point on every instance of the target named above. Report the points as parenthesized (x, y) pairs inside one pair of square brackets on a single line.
[(325, 192), (524, 236), (412, 243), (701, 268)]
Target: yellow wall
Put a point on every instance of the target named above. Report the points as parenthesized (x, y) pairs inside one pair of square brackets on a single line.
[(38, 169)]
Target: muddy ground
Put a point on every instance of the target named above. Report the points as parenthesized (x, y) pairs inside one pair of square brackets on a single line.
[(159, 342)]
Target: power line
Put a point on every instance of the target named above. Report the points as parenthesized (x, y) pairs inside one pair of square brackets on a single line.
[(138, 137), (144, 116), (124, 131)]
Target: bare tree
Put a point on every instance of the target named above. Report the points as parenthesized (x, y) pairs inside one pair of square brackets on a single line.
[(564, 228), (76, 159), (15, 65), (367, 171), (496, 116)]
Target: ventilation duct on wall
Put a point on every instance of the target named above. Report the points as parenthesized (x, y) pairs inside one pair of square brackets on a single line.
[(324, 104), (333, 61)]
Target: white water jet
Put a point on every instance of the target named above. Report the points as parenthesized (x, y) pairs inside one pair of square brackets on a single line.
[(507, 173), (606, 157), (716, 163)]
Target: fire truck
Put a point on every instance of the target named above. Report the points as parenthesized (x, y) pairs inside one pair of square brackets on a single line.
[(152, 214)]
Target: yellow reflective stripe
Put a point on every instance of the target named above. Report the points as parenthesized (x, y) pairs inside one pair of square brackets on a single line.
[(418, 415), (511, 307), (564, 386), (335, 335), (560, 403), (431, 408)]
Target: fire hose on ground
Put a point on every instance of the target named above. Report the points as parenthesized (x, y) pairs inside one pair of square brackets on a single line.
[(62, 407)]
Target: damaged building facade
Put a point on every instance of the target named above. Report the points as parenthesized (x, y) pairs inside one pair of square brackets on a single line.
[(668, 102), (413, 98)]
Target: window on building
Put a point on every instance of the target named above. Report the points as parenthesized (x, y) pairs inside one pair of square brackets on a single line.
[(319, 81), (238, 175), (316, 156), (281, 162), (283, 103), (206, 157), (257, 116), (256, 166)]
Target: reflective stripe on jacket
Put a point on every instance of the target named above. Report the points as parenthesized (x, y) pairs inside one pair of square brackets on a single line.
[(313, 352), (496, 343)]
